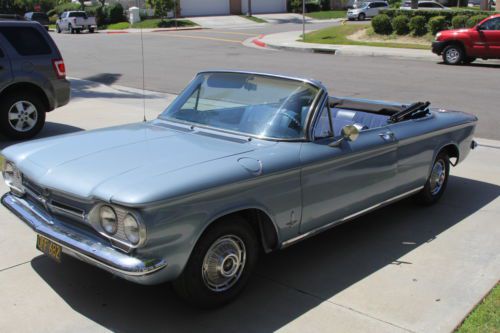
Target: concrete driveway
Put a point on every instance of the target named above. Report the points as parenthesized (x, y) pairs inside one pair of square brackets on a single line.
[(404, 268)]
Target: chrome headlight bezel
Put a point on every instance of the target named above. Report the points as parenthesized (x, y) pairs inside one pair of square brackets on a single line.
[(119, 238), (13, 178)]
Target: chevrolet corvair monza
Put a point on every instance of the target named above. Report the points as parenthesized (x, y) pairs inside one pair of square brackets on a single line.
[(240, 163)]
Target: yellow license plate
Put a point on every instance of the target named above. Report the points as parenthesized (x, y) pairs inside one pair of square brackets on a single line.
[(48, 247)]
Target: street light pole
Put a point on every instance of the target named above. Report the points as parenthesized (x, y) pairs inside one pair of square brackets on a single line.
[(303, 20), (249, 13)]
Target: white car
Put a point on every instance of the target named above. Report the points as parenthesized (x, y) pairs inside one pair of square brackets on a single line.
[(367, 9), (75, 22), (425, 5)]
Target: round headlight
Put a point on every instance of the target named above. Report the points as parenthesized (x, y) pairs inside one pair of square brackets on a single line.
[(108, 219), (13, 178), (131, 228)]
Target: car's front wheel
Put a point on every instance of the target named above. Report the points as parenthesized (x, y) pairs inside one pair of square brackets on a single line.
[(220, 264), (22, 115), (437, 181), (453, 54), (58, 28), (361, 17)]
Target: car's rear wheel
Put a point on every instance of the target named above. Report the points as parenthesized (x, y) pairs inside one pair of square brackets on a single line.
[(220, 264), (437, 181), (453, 54), (22, 115), (91, 30), (361, 17), (70, 28)]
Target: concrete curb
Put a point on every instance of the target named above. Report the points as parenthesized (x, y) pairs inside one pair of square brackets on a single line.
[(288, 41), (137, 30)]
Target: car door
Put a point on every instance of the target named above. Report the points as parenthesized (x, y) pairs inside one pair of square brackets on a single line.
[(5, 67), (371, 10), (489, 34), (344, 180), (381, 6)]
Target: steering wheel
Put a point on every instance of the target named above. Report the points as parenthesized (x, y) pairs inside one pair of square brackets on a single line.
[(289, 116)]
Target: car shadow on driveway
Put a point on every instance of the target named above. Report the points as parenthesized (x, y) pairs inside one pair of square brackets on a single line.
[(49, 129), (287, 283)]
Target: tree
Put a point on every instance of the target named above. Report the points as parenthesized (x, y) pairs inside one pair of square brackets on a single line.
[(29, 5), (161, 7)]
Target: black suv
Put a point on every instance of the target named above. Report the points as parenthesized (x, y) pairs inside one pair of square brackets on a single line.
[(41, 18), (32, 78)]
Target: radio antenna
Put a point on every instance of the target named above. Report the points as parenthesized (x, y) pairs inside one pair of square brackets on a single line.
[(143, 74)]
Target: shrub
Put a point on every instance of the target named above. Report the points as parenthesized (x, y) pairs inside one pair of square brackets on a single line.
[(459, 21), (472, 21), (400, 25), (115, 13), (382, 24), (417, 25), (437, 23)]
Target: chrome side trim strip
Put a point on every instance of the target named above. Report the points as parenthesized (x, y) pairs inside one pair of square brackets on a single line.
[(347, 218), (79, 245)]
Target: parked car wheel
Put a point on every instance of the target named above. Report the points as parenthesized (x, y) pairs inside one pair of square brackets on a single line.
[(437, 181), (22, 115), (220, 264), (91, 30), (58, 28), (453, 55), (361, 17)]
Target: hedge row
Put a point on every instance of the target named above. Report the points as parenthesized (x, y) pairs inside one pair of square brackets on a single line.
[(419, 25), (428, 14)]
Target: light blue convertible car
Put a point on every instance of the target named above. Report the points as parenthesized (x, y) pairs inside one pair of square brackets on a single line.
[(240, 163)]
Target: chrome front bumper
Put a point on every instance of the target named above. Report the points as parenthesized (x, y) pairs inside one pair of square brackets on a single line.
[(82, 246)]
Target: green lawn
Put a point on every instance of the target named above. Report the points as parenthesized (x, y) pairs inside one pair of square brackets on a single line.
[(337, 35), (158, 23), (117, 26), (485, 318), (253, 18), (327, 14)]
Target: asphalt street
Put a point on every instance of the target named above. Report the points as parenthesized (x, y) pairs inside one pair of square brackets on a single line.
[(173, 58)]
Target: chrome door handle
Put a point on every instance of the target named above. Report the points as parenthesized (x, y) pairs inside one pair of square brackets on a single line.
[(387, 136)]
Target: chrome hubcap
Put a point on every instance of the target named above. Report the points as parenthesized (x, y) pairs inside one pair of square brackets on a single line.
[(452, 55), (438, 176), (224, 263), (23, 116)]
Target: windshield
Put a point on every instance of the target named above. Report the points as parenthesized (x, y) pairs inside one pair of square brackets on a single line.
[(258, 105)]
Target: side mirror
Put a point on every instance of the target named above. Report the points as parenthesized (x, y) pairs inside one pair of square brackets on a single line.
[(349, 133), (479, 28)]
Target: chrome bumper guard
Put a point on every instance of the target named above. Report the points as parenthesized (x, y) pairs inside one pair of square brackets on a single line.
[(79, 245)]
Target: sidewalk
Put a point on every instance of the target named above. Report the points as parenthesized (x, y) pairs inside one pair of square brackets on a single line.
[(290, 41), (404, 268)]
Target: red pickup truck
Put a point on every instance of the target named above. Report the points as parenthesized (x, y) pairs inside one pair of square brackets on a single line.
[(466, 45)]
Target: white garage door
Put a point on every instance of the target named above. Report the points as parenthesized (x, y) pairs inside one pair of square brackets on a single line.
[(204, 7), (264, 6)]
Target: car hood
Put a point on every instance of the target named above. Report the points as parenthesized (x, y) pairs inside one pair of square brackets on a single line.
[(454, 31), (97, 163)]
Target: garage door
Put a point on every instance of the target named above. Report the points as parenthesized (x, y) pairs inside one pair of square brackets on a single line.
[(265, 6), (204, 7)]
